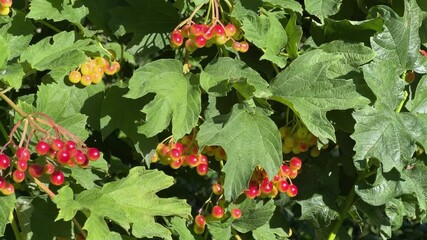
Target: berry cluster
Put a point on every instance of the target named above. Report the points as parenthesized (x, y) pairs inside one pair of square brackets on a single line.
[(261, 186), (217, 213), (298, 140), (5, 7), (93, 71), (54, 151), (203, 35)]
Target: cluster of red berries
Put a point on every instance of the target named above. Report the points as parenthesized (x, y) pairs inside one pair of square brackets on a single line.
[(203, 35), (93, 71), (261, 186), (5, 7), (298, 140), (56, 154), (217, 213)]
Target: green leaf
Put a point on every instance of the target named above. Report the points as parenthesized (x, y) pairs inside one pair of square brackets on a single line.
[(259, 144), (294, 33), (400, 40), (180, 225), (177, 97), (84, 177), (254, 215), (131, 201), (4, 52), (265, 232), (12, 75), (268, 34), (317, 211), (385, 135), (322, 8), (286, 4), (57, 11), (219, 76), (383, 79), (60, 56), (305, 87), (419, 103), (7, 204), (151, 21), (219, 230)]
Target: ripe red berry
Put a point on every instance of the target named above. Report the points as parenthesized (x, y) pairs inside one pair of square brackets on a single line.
[(178, 146), (4, 161), (6, 3), (93, 154), (174, 154), (218, 30), (292, 190), (23, 154), (18, 176), (57, 144), (295, 163), (8, 189), (200, 41), (42, 148), (202, 169), (217, 189), (285, 170), (35, 170), (70, 145), (266, 186), (192, 161), (282, 185), (176, 164), (253, 190), (236, 213), (49, 168), (176, 39), (21, 165), (2, 182), (203, 159), (196, 30), (200, 220), (293, 174), (80, 158), (217, 211), (57, 178), (63, 156)]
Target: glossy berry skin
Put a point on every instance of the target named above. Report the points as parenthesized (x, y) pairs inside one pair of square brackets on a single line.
[(282, 186), (236, 213), (196, 30), (200, 41), (70, 145), (2, 182), (4, 161), (57, 144), (49, 168), (230, 30), (266, 186), (80, 158), (93, 154), (253, 191), (244, 47), (174, 154), (18, 176), (74, 76), (202, 169), (42, 148), (35, 170), (192, 161), (217, 189), (57, 178), (87, 79), (8, 189), (285, 170), (217, 212), (295, 163), (176, 164), (21, 165), (292, 190), (63, 156), (6, 3), (176, 39), (200, 220), (22, 154), (218, 30)]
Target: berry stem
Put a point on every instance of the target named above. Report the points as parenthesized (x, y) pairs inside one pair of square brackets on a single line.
[(343, 214), (187, 20), (50, 26), (45, 189), (13, 105), (24, 133), (405, 96), (235, 234)]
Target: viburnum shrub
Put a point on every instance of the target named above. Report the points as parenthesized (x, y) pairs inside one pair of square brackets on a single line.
[(213, 119)]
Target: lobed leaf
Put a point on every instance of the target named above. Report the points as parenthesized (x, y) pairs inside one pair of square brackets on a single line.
[(322, 8), (7, 204), (72, 11)]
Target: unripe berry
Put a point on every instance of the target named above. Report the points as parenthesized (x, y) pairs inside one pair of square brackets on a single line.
[(198, 230), (4, 161), (217, 212), (8, 189), (230, 30), (244, 47), (293, 174), (236, 46), (57, 178), (236, 213), (6, 3), (3, 12), (200, 220), (217, 189), (221, 40), (190, 45), (74, 76), (86, 80), (314, 152)]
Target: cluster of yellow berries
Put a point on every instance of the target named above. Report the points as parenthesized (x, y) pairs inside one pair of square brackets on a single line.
[(298, 140), (93, 71)]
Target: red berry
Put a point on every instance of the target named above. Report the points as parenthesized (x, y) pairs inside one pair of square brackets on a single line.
[(266, 186), (217, 189), (236, 213), (293, 174), (295, 163), (285, 170), (63, 156), (200, 220), (80, 158), (8, 189), (70, 145), (42, 148), (57, 144), (423, 52), (174, 154), (218, 30), (202, 169), (230, 30), (244, 47), (176, 39), (176, 164), (18, 176), (217, 211), (203, 159), (178, 146), (23, 154), (192, 161), (93, 154), (6, 3), (2, 183), (200, 41), (49, 168), (292, 190), (282, 186), (4, 162), (35, 170), (196, 30), (21, 165), (253, 190), (57, 178)]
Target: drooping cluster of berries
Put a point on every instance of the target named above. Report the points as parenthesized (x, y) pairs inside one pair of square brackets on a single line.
[(93, 71), (52, 152), (218, 213), (194, 36), (261, 186), (298, 140), (185, 152), (5, 6)]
